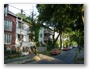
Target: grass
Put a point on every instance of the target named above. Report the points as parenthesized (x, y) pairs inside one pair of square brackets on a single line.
[(78, 60), (11, 56), (46, 52)]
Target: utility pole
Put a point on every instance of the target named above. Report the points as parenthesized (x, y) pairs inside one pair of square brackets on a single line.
[(21, 11), (21, 32)]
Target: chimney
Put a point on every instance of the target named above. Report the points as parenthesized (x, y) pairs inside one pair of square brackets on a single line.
[(5, 9), (6, 5)]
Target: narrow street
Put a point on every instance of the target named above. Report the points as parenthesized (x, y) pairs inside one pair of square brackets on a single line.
[(35, 36), (65, 57)]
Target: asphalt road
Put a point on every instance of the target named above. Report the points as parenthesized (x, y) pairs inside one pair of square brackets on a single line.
[(65, 57)]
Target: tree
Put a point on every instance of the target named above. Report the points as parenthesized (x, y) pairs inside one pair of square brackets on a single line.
[(24, 17), (59, 16)]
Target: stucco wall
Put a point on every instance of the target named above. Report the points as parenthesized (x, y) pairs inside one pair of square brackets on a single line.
[(42, 49)]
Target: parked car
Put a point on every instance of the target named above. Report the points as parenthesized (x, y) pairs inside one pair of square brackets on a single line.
[(55, 51), (65, 49)]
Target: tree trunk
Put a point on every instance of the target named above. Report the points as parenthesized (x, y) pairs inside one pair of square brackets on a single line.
[(53, 35), (60, 41), (53, 45)]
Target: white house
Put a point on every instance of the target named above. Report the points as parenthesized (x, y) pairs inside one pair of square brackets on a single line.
[(23, 41), (44, 35), (41, 35)]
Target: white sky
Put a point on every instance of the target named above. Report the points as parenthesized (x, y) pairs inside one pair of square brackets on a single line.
[(28, 8)]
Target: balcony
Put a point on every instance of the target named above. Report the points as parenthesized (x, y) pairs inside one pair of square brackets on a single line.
[(46, 38), (20, 31), (48, 32), (28, 32), (24, 43)]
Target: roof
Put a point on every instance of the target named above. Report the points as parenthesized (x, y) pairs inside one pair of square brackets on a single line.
[(11, 13)]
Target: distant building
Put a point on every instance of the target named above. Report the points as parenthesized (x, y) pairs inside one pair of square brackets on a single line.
[(44, 36)]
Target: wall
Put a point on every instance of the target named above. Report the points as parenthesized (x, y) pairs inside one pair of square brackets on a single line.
[(41, 39), (13, 19), (42, 49), (22, 31)]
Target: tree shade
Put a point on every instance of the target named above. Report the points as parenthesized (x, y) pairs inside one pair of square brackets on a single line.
[(61, 17)]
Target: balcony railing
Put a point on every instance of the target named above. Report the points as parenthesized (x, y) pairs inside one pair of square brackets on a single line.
[(28, 32), (48, 32)]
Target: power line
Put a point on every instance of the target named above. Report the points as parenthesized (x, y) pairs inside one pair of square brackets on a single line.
[(15, 7), (23, 11), (19, 9), (27, 10)]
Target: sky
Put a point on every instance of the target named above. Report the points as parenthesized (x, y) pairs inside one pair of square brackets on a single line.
[(28, 8)]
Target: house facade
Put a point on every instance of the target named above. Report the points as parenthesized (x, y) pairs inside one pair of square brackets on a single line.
[(16, 32), (23, 40), (45, 35), (9, 28)]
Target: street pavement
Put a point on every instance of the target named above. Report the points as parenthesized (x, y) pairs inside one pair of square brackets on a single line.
[(80, 57), (44, 59), (65, 57)]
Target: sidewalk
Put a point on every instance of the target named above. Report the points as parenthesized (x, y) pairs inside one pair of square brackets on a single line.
[(44, 59), (80, 57), (20, 60)]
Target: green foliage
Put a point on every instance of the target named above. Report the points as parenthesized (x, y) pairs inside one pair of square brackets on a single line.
[(24, 17), (59, 13), (74, 43), (57, 44), (37, 44), (61, 17), (37, 33), (78, 37)]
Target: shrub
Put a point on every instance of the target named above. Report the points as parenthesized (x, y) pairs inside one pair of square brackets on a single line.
[(57, 44)]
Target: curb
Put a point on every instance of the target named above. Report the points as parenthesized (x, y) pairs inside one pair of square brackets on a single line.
[(79, 57), (19, 60)]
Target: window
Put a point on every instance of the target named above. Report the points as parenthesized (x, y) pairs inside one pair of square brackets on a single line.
[(25, 27), (20, 37), (19, 25), (40, 35), (7, 25), (7, 38)]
